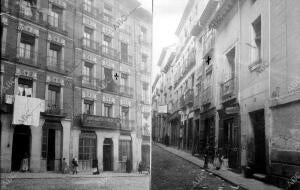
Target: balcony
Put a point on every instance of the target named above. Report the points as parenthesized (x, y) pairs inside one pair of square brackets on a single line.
[(89, 82), (27, 57), (90, 45), (207, 96), (54, 110), (107, 19), (227, 90), (191, 62), (189, 97), (127, 60), (30, 14), (90, 10), (95, 121), (127, 125), (110, 53), (56, 24), (56, 66), (126, 91), (208, 42)]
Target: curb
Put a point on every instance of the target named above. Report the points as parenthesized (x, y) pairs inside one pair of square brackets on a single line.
[(207, 170)]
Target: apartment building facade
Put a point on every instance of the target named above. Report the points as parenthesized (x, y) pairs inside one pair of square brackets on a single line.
[(81, 66), (246, 90)]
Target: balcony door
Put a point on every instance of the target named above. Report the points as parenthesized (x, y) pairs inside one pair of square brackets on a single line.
[(53, 103), (124, 52)]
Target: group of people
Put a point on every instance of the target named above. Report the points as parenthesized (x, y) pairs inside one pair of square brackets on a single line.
[(66, 168)]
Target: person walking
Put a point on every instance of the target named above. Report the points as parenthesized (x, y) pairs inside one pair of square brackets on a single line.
[(75, 166)]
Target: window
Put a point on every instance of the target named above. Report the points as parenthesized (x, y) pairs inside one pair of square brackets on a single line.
[(87, 5), (125, 113), (107, 110), (124, 52), (25, 87), (107, 40), (107, 9), (87, 36), (143, 33), (26, 8), (26, 46), (88, 107), (145, 91), (124, 79), (144, 62), (230, 66), (53, 96), (256, 50), (54, 54), (87, 72), (55, 16)]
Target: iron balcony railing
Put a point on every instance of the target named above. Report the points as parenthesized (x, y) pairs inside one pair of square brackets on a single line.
[(90, 45), (227, 89), (207, 95), (127, 125), (53, 109), (90, 10), (189, 97), (56, 65), (107, 19), (208, 41), (56, 24), (89, 82), (26, 56), (110, 52), (96, 121), (127, 59), (126, 91)]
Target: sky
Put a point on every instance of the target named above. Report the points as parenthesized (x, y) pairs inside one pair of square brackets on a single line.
[(166, 17)]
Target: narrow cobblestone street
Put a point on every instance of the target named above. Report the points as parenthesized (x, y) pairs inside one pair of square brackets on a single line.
[(170, 172)]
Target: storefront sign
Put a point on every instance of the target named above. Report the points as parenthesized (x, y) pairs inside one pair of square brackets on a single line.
[(232, 110)]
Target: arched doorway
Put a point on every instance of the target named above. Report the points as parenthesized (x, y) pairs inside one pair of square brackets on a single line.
[(108, 154), (21, 146)]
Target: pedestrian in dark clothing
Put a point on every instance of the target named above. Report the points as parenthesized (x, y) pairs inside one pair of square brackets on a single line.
[(75, 166), (128, 166), (206, 158)]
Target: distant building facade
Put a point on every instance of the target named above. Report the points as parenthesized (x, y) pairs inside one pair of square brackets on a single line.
[(79, 73)]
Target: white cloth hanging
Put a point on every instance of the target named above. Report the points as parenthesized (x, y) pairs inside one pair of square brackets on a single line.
[(27, 110)]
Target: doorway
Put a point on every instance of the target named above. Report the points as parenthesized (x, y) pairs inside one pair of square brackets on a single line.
[(51, 150), (258, 124), (231, 143), (21, 146), (108, 155)]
